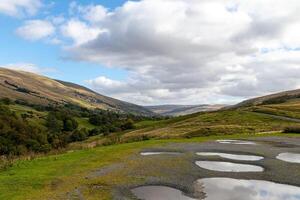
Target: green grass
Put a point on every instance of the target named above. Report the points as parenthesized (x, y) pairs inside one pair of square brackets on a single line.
[(22, 109), (209, 123), (38, 118), (50, 176), (84, 123), (147, 123), (30, 179), (277, 110)]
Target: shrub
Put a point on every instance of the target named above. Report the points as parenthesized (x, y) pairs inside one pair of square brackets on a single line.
[(136, 138), (129, 124), (292, 129), (79, 135), (6, 101)]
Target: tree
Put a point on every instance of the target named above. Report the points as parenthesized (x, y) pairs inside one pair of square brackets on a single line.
[(79, 135), (129, 124), (70, 124), (54, 125)]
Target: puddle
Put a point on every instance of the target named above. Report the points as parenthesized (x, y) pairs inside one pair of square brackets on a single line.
[(289, 157), (235, 142), (159, 193), (232, 156), (158, 153), (228, 166), (235, 189)]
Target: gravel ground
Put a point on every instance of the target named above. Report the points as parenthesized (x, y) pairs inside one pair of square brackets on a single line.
[(179, 170)]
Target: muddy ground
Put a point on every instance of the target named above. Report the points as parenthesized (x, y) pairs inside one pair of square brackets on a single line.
[(180, 171)]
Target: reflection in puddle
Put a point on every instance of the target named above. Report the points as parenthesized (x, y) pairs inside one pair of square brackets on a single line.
[(234, 189), (235, 142), (158, 153), (289, 157), (228, 166), (232, 156), (159, 193)]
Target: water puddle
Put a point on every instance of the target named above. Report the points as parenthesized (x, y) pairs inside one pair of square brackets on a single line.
[(232, 156), (228, 166), (289, 157), (235, 189), (158, 153), (159, 193), (236, 142)]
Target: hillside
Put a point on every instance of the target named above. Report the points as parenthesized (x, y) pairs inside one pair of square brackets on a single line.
[(276, 98), (264, 114), (41, 90), (178, 110)]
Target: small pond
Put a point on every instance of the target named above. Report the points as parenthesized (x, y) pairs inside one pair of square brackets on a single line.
[(235, 189), (232, 156), (158, 153), (159, 193), (289, 157), (236, 142), (228, 166)]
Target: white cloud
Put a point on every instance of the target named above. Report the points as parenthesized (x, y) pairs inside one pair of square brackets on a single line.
[(92, 13), (79, 31), (196, 51), (20, 8), (107, 84), (35, 30), (189, 51), (28, 67)]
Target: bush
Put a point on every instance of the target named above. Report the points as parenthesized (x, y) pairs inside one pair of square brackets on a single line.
[(136, 138), (17, 136), (79, 135), (129, 124), (6, 101)]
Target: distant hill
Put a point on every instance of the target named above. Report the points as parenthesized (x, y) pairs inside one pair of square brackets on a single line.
[(270, 113), (277, 98), (177, 110), (41, 90)]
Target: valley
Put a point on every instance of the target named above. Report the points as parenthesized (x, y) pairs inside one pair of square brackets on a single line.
[(178, 110), (66, 150), (149, 100)]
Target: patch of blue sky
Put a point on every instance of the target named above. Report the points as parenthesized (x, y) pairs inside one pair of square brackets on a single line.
[(42, 54)]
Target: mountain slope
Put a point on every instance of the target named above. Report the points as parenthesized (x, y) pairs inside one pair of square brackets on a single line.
[(276, 98), (177, 110), (41, 90), (268, 113)]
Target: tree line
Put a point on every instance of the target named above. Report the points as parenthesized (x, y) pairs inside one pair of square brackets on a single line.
[(19, 136)]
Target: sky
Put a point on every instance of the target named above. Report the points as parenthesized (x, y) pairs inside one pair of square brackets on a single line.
[(152, 52)]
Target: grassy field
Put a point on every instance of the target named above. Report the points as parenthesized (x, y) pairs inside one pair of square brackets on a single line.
[(290, 109), (84, 123), (51, 177), (212, 123)]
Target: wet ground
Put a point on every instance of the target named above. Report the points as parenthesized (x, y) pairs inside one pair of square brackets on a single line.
[(179, 171), (221, 166), (289, 157)]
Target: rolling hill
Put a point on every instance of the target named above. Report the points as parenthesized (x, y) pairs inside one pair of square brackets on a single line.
[(263, 114), (41, 90), (178, 110), (275, 98)]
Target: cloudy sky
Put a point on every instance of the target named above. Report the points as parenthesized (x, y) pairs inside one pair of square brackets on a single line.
[(157, 51)]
